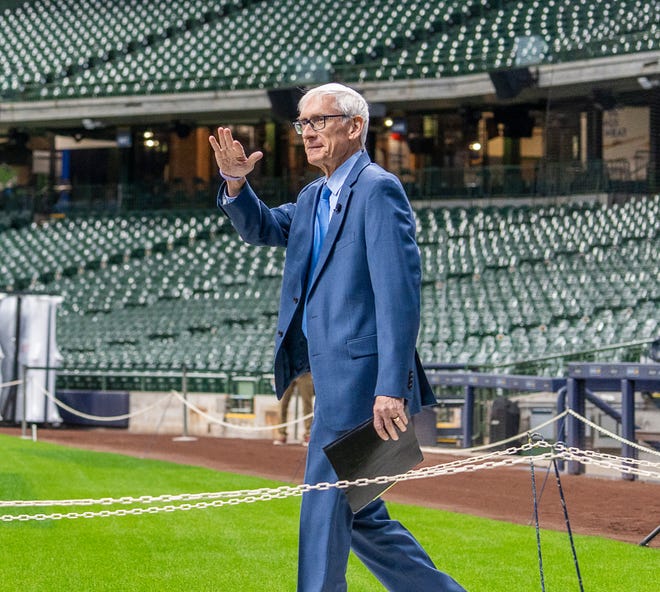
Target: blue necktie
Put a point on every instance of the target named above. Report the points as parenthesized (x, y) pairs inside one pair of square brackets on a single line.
[(320, 230)]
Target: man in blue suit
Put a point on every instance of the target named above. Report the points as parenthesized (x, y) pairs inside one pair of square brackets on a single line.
[(349, 312)]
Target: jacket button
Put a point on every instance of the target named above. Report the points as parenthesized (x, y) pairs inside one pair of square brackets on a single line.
[(295, 299), (279, 333)]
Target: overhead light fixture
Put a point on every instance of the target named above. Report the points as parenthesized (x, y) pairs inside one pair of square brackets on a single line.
[(91, 124), (648, 83)]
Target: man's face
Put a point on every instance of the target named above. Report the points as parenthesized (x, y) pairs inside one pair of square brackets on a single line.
[(328, 148)]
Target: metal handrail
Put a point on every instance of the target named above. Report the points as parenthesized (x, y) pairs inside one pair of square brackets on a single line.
[(573, 354)]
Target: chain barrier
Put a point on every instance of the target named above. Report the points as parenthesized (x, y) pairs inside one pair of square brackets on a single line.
[(219, 499), (516, 438), (173, 393), (619, 464), (105, 417), (421, 473), (497, 459), (616, 437), (221, 422)]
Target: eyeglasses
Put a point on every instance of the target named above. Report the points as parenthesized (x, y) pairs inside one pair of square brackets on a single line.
[(317, 123)]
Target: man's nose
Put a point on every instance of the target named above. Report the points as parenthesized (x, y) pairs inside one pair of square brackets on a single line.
[(308, 131)]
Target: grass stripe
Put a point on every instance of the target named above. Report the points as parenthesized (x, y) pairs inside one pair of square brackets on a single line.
[(252, 547)]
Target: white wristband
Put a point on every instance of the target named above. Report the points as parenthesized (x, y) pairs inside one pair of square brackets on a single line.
[(229, 177)]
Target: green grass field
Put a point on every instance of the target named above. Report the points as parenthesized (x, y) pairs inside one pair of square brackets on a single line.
[(252, 547)]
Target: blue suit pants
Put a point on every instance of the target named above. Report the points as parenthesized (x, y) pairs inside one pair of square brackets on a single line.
[(329, 530)]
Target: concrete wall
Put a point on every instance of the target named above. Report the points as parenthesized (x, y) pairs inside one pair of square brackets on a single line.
[(168, 416)]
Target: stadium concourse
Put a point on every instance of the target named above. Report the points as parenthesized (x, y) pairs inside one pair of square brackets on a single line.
[(606, 506)]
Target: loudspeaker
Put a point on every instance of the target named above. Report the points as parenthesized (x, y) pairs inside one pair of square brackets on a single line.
[(518, 123), (522, 127), (509, 83), (182, 129), (491, 128), (284, 102), (603, 100), (421, 145)]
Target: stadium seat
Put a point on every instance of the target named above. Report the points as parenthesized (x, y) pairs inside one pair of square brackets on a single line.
[(85, 48)]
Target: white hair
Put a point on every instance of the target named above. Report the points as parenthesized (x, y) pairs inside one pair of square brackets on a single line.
[(348, 101)]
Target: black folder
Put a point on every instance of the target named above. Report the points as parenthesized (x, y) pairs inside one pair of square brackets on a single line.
[(361, 453)]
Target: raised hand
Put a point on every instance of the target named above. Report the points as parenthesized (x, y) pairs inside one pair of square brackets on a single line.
[(230, 155)]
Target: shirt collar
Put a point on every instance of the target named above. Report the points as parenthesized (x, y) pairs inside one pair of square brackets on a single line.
[(337, 179)]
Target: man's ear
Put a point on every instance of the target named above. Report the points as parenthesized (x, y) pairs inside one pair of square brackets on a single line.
[(357, 123)]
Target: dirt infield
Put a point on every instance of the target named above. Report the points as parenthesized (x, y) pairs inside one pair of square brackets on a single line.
[(610, 507)]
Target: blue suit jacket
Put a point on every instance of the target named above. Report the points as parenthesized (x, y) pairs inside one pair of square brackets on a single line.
[(363, 304)]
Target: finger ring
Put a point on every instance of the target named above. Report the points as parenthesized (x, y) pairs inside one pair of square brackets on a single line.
[(396, 418)]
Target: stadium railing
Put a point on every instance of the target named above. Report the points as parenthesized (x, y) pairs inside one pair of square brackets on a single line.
[(529, 180), (549, 365)]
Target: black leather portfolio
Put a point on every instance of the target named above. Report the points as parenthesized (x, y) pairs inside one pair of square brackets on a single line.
[(361, 453)]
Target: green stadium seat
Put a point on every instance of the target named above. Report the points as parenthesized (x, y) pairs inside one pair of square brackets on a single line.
[(83, 49)]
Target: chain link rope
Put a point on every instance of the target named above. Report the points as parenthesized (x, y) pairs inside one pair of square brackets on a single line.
[(497, 459), (451, 467), (103, 417), (221, 422), (173, 393), (610, 434), (216, 420), (491, 460), (517, 438)]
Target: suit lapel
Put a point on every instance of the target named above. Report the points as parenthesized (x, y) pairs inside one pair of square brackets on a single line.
[(338, 216)]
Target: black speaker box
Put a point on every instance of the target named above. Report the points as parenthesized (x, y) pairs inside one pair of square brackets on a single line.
[(518, 123), (284, 102), (509, 83), (421, 145)]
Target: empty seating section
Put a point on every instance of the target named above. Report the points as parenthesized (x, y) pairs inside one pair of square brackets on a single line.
[(44, 252), (52, 49), (281, 48), (501, 285), (154, 293), (64, 42), (517, 283), (499, 35)]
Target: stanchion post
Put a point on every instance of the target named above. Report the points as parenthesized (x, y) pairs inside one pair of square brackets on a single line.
[(561, 426), (575, 389), (24, 435), (628, 423), (468, 415), (184, 391)]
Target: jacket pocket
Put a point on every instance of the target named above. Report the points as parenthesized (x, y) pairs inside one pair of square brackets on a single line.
[(345, 241), (362, 346)]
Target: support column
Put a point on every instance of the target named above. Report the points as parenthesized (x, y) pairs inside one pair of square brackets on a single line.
[(594, 139), (468, 416), (560, 428), (576, 432), (628, 422)]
